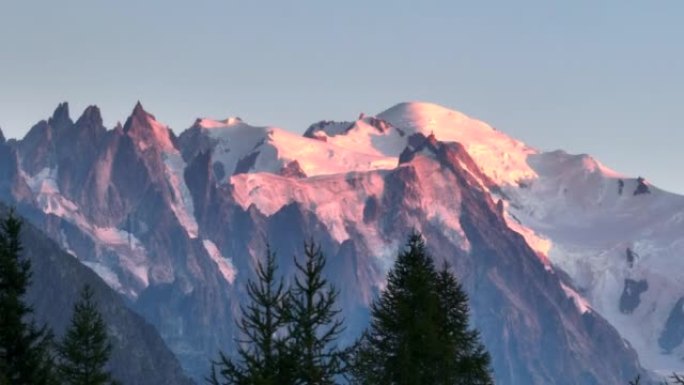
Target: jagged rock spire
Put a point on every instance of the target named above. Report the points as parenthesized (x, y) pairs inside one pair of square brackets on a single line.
[(143, 127), (91, 117), (138, 114), (139, 111), (138, 108), (60, 118)]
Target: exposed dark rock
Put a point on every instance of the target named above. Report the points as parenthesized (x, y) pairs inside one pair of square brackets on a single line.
[(379, 124), (642, 187), (418, 143), (631, 295), (261, 142), (314, 130), (37, 148), (500, 207), (673, 332), (525, 184), (631, 257), (219, 170), (60, 118), (246, 163), (8, 170), (415, 141), (202, 177), (292, 170), (91, 117), (75, 167), (370, 209), (320, 127), (193, 141)]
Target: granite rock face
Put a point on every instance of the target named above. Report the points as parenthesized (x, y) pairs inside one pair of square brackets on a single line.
[(673, 331), (630, 298)]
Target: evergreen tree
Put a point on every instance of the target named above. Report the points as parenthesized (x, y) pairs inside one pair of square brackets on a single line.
[(85, 348), (362, 368), (470, 362), (314, 325), (262, 355), (25, 356), (419, 329)]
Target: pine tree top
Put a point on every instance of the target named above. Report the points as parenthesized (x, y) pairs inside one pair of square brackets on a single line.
[(419, 332), (85, 348)]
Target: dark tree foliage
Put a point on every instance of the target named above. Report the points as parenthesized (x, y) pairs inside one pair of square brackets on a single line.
[(85, 348), (314, 324), (262, 356), (470, 362), (25, 356), (419, 332), (675, 379)]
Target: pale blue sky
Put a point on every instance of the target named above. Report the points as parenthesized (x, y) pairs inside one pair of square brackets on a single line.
[(600, 77)]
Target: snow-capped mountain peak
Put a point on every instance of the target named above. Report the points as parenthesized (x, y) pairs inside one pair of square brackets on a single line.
[(500, 157)]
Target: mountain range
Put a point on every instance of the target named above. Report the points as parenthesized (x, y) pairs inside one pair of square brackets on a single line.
[(572, 268)]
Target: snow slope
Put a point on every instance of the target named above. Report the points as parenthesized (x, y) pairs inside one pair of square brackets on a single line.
[(369, 143), (132, 253), (273, 149), (576, 203)]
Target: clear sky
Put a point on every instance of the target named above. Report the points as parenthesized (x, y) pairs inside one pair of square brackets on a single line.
[(598, 77)]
